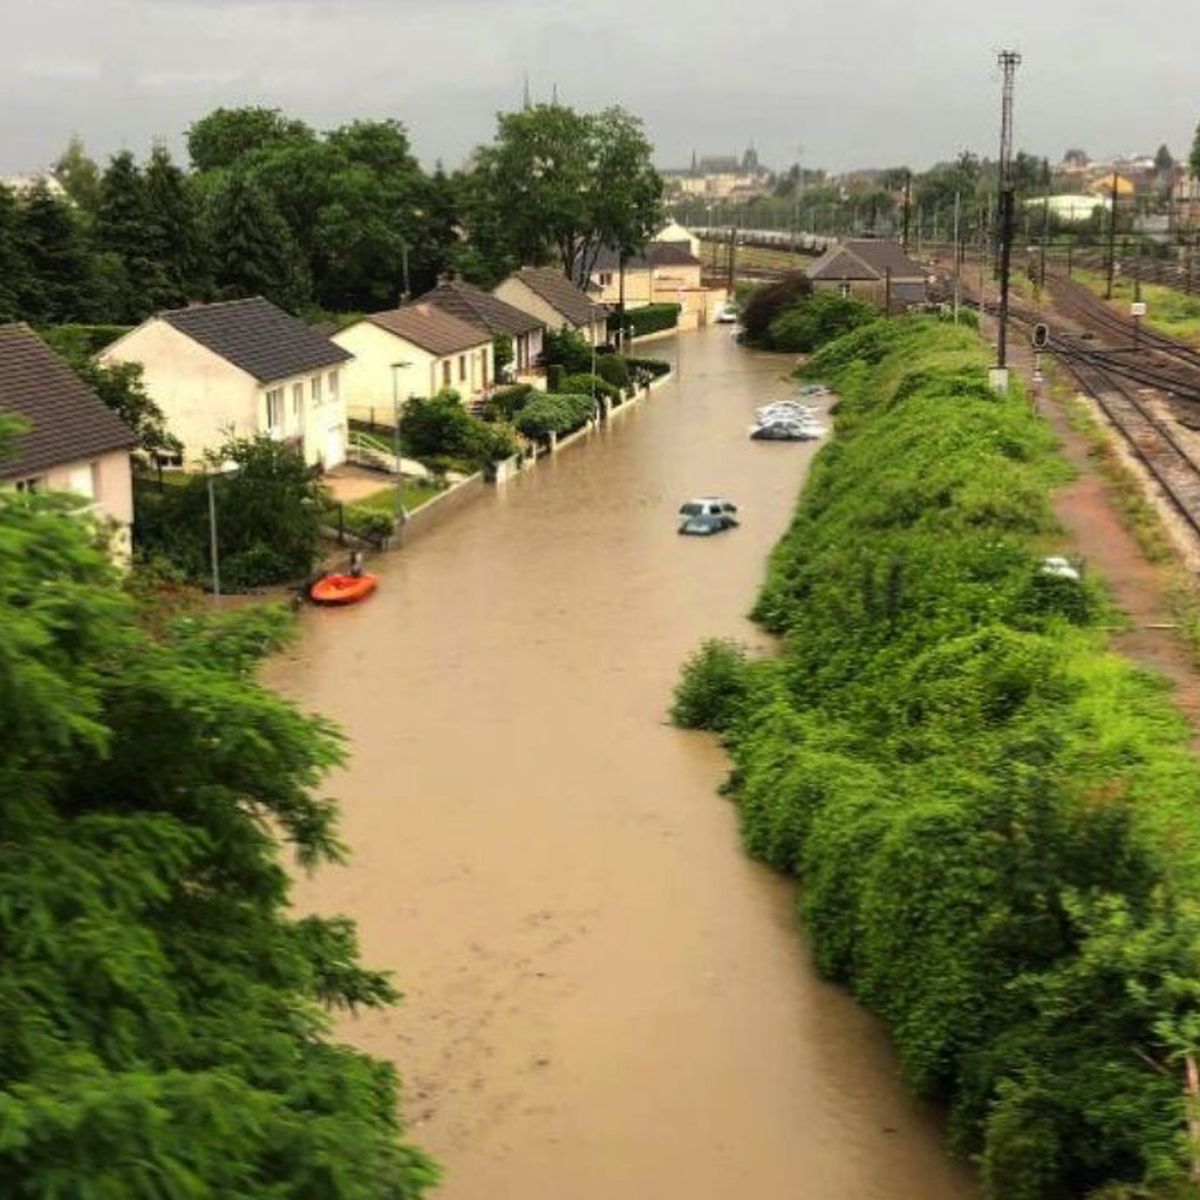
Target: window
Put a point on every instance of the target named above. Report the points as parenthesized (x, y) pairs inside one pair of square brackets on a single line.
[(275, 409), (316, 389), (82, 480), (844, 290), (31, 485), (462, 367), (297, 399), (605, 278), (332, 381), (446, 373)]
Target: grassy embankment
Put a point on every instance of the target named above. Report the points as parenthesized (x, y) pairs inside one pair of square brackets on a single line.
[(755, 258), (1168, 310), (994, 818)]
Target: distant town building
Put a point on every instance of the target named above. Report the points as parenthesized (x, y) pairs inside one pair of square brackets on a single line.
[(719, 177), (22, 185)]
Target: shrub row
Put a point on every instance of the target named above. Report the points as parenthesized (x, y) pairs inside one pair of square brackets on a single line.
[(994, 818), (558, 414), (649, 318)]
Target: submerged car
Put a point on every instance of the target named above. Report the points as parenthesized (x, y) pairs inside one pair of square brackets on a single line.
[(786, 410), (812, 390), (727, 314), (784, 429), (707, 515)]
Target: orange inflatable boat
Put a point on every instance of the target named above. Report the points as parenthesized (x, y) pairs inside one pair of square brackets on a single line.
[(343, 589)]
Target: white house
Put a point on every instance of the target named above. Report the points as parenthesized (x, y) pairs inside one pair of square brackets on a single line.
[(241, 367), (551, 297), (72, 442), (417, 350), (477, 307)]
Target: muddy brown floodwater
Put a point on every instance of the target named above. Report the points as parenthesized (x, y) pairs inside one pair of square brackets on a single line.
[(603, 996)]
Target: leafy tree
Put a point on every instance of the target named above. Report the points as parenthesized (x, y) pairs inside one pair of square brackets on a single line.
[(567, 182), (440, 428), (60, 284), (1194, 160), (221, 140), (567, 348), (79, 175), (254, 252), (120, 386), (166, 1027), (14, 280), (816, 320), (121, 228), (767, 302), (174, 229), (268, 512), (1163, 160)]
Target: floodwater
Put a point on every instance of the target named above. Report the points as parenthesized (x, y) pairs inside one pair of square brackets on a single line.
[(603, 996)]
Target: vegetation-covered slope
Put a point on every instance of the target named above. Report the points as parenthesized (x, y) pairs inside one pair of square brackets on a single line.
[(994, 819)]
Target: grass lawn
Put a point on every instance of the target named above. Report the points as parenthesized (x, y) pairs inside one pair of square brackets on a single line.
[(415, 494), (1168, 310)]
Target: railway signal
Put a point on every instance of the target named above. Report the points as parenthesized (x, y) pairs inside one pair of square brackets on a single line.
[(1041, 336), (1137, 310)]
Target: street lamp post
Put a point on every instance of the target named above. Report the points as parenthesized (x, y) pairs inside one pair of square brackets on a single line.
[(401, 513), (226, 468)]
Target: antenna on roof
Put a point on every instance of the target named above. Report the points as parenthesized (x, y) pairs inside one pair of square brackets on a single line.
[(526, 104), (554, 94)]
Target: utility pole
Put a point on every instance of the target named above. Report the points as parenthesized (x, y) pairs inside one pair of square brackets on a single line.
[(796, 198), (1045, 235), (1009, 60), (907, 204), (957, 214), (1112, 238)]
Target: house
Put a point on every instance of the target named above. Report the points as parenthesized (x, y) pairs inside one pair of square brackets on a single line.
[(551, 297), (477, 307), (659, 274), (416, 350), (74, 443), (242, 368), (877, 271), (673, 232)]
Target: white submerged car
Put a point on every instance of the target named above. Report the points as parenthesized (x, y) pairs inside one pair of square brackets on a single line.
[(787, 429), (789, 409), (727, 314)]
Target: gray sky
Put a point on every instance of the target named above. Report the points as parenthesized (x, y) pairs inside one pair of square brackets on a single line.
[(856, 82)]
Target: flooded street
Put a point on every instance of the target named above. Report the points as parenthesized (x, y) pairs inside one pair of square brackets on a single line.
[(603, 997)]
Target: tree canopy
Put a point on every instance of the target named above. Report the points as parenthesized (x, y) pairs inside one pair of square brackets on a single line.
[(165, 1017)]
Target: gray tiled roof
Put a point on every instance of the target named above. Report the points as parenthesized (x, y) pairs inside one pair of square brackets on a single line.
[(473, 304), (256, 336), (68, 421), (656, 254), (431, 328), (561, 294), (862, 258)]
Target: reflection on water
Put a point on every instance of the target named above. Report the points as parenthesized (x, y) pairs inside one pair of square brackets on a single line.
[(604, 998)]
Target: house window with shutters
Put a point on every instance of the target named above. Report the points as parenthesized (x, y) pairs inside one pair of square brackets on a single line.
[(446, 373), (462, 368), (332, 380), (297, 399), (316, 389)]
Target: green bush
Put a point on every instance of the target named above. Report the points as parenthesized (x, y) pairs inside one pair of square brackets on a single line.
[(581, 385), (269, 517), (555, 374), (567, 348), (502, 351), (761, 306), (648, 318), (613, 368), (442, 427), (713, 687), (504, 403), (811, 323), (644, 370), (78, 343), (558, 414), (370, 524), (995, 820)]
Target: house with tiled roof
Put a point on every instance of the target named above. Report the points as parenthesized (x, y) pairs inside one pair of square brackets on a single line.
[(664, 272), (549, 295), (70, 440), (875, 270), (419, 349), (474, 305), (241, 367)]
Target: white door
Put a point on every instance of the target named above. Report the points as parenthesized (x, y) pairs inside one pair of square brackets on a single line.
[(335, 448)]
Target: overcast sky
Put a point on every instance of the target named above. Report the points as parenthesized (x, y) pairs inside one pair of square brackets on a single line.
[(855, 82)]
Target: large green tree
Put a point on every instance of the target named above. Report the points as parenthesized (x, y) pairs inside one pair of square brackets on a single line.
[(61, 281), (1194, 159), (122, 227), (165, 1016), (222, 139), (174, 230), (14, 280), (254, 252), (80, 176), (562, 183)]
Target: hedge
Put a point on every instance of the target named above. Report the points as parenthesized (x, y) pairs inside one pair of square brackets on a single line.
[(995, 819), (649, 318), (558, 414)]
